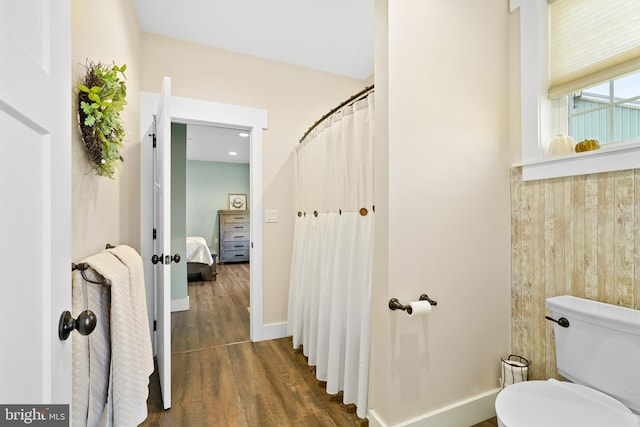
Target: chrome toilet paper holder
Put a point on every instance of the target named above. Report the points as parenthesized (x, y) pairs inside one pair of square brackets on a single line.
[(394, 304)]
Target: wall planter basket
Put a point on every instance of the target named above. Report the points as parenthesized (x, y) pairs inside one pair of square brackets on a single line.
[(101, 99)]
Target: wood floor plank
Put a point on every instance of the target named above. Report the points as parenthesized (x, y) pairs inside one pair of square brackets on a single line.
[(222, 379), (492, 422)]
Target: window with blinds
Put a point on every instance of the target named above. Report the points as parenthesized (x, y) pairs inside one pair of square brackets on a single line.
[(591, 42), (580, 76), (594, 59)]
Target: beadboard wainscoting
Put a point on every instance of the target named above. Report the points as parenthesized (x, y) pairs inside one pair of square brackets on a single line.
[(574, 235)]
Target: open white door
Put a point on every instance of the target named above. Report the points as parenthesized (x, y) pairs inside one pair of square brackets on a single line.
[(162, 241), (35, 193)]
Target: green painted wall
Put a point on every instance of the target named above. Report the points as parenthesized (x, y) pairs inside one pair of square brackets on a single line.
[(178, 214), (208, 188)]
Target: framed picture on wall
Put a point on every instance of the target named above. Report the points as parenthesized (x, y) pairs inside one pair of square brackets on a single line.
[(237, 202)]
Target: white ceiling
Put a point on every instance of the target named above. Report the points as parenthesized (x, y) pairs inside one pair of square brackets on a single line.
[(214, 143), (334, 36)]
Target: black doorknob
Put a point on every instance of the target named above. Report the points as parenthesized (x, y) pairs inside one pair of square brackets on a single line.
[(84, 324), (176, 258), (157, 259)]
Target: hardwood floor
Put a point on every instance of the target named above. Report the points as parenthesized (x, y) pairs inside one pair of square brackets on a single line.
[(492, 422), (220, 378), (218, 313)]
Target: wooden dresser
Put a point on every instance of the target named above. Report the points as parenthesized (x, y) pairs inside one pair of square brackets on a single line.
[(234, 236)]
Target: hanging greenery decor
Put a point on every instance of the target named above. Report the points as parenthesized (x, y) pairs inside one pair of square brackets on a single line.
[(101, 99)]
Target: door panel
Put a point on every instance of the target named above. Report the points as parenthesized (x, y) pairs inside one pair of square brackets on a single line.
[(35, 189), (162, 244)]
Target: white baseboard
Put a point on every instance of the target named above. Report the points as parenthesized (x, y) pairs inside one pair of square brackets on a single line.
[(460, 414), (180, 304), (271, 331)]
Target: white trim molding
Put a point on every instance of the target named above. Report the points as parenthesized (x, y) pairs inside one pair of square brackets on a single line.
[(270, 331), (186, 110), (181, 304), (463, 413), (608, 158)]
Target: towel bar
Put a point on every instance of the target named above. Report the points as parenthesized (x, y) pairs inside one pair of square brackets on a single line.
[(83, 266)]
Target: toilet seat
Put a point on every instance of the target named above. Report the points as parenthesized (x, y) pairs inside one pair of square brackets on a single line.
[(556, 403)]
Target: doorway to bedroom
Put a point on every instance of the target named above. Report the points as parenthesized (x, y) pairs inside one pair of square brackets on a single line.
[(210, 212)]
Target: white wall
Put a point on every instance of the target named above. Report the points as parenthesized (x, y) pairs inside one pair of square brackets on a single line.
[(294, 97), (442, 203), (445, 230), (105, 210)]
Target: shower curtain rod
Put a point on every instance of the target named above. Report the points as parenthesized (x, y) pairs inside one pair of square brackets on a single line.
[(358, 96)]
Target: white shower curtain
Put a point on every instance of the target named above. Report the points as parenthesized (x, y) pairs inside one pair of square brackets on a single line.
[(330, 289)]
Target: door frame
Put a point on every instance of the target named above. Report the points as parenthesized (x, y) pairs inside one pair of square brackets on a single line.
[(187, 110)]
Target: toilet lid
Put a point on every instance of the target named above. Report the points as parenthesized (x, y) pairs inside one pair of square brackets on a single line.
[(558, 403)]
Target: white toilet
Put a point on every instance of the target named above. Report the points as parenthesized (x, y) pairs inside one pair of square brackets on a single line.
[(599, 352)]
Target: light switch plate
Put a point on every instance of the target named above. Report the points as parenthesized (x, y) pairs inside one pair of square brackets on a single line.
[(271, 215)]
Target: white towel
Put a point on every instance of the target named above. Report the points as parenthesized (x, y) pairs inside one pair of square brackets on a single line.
[(112, 366), (92, 354), (80, 358), (132, 361)]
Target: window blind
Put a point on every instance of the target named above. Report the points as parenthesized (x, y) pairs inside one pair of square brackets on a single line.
[(590, 42)]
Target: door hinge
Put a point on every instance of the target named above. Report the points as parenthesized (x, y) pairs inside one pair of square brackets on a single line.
[(155, 325), (154, 139), (155, 234)]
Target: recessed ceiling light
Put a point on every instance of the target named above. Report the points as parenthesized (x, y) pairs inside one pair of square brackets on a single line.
[(233, 153), (244, 134)]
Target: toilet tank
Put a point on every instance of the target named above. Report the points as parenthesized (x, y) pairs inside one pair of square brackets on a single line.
[(600, 348)]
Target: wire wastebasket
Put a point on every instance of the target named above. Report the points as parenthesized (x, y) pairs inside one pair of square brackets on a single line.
[(514, 369)]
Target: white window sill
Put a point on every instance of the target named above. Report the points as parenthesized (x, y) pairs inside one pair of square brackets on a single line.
[(613, 157)]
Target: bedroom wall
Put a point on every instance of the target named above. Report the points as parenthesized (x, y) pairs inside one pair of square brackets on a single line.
[(294, 97), (179, 291), (208, 188), (106, 210)]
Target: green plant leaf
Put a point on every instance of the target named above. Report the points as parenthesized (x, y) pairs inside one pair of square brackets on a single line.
[(86, 107), (102, 98)]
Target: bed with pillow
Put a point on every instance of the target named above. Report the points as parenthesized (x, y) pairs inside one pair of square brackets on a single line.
[(201, 263)]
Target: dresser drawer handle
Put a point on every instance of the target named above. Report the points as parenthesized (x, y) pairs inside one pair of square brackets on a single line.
[(238, 226)]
